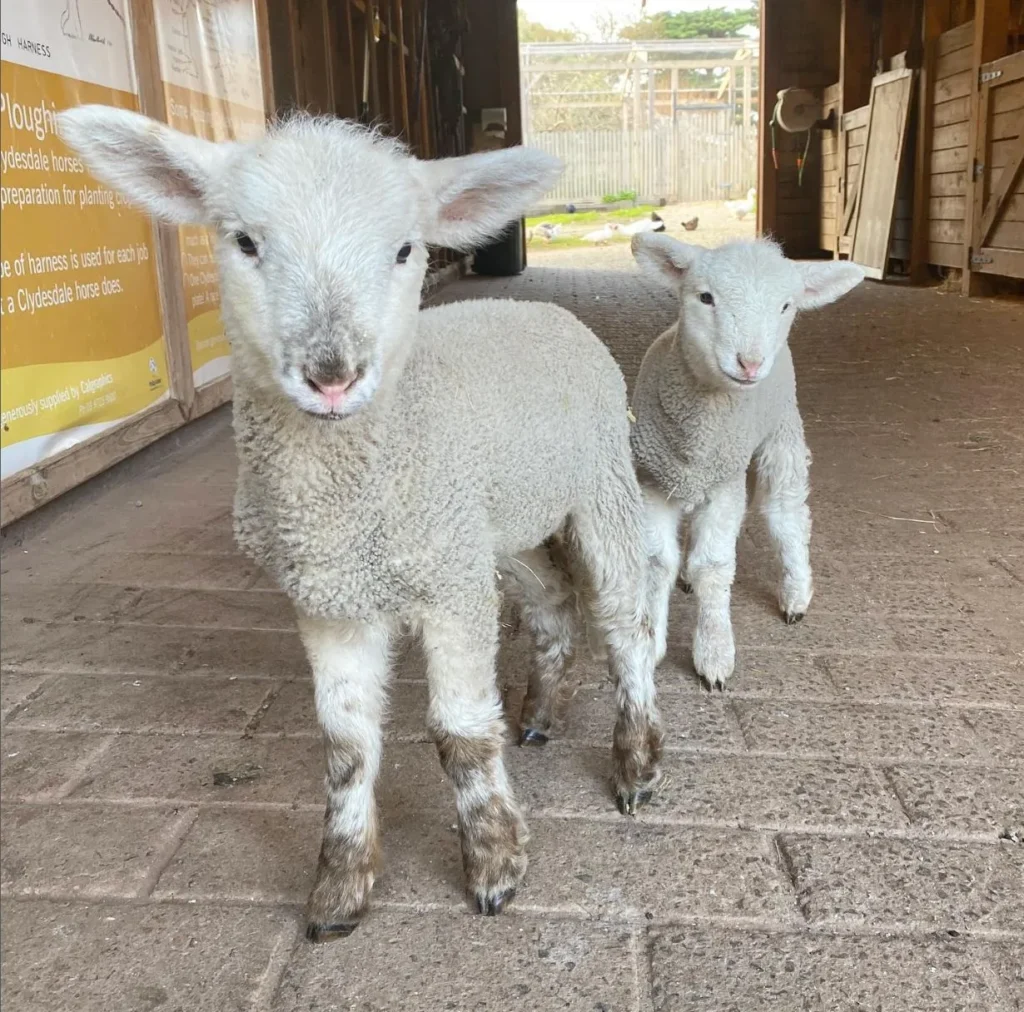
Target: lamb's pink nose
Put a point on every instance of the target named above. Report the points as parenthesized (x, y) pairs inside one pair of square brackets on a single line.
[(332, 393), (750, 366)]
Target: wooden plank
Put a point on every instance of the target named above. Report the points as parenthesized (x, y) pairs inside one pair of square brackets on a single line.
[(947, 184), (956, 38), (28, 489), (856, 118), (953, 160), (1006, 262), (1007, 235), (403, 82), (152, 102), (934, 20), (946, 209), (957, 86), (266, 58), (947, 113), (953, 63), (1006, 125), (954, 136), (855, 156), (990, 20), (212, 396), (946, 231), (883, 160), (1008, 97), (945, 254)]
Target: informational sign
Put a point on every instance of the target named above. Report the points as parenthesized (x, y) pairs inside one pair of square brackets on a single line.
[(82, 343), (210, 68)]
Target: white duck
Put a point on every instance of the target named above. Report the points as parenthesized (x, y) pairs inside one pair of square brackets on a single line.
[(652, 224), (602, 235), (741, 208)]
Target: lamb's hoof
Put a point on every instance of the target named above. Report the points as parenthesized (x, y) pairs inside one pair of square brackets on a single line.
[(531, 736), (711, 685), (686, 588), (631, 801), (490, 905), (792, 617), (330, 932)]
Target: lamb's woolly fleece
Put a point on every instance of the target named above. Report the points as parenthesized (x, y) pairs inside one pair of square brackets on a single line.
[(688, 439), (506, 416)]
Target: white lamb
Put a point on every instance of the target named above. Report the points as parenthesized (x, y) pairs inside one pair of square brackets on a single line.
[(395, 464), (715, 392)]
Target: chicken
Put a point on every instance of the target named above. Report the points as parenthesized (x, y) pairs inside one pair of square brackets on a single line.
[(547, 231), (741, 208), (691, 225)]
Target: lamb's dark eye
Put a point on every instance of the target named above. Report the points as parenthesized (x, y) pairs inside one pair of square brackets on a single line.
[(785, 307), (246, 245), (404, 253), (707, 298)]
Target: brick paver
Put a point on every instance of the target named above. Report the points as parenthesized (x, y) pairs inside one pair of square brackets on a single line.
[(841, 828)]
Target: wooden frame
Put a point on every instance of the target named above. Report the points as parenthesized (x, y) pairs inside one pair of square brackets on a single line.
[(878, 196), (991, 18), (997, 244)]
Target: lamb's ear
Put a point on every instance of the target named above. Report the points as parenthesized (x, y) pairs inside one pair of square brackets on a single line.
[(159, 169), (478, 195), (669, 258), (825, 281)]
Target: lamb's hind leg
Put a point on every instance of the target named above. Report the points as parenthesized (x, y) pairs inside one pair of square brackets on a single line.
[(350, 669), (782, 487), (466, 721), (548, 602), (609, 538)]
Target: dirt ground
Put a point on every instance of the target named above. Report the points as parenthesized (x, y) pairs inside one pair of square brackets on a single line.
[(715, 226)]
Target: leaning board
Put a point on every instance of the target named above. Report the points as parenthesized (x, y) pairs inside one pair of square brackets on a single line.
[(880, 169)]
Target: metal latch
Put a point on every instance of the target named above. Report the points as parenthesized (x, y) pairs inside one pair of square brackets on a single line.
[(989, 75), (980, 258)]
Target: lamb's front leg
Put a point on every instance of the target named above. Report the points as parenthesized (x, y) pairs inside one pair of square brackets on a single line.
[(467, 724), (662, 516), (350, 671), (711, 568)]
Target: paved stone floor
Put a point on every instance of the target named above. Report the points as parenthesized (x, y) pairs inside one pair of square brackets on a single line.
[(840, 829)]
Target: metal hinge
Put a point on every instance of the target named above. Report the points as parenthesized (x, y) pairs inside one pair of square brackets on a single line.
[(980, 258), (989, 75)]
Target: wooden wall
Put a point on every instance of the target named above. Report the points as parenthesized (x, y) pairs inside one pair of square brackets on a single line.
[(830, 169), (800, 48)]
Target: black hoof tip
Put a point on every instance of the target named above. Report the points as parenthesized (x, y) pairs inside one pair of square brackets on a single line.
[(792, 617), (531, 736), (686, 588), (330, 932), (629, 802), (491, 906)]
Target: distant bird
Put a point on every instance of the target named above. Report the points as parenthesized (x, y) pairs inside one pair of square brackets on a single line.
[(652, 224), (547, 231), (570, 208), (602, 235), (691, 225), (741, 208)]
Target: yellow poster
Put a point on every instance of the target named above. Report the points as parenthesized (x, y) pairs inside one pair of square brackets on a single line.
[(81, 343), (209, 64)]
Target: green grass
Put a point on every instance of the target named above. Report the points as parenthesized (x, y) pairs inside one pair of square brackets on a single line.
[(574, 242), (588, 217), (614, 198)]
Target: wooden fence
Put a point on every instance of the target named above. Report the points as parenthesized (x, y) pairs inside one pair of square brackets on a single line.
[(703, 156)]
